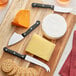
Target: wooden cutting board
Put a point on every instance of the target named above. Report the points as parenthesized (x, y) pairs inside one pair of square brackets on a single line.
[(6, 31)]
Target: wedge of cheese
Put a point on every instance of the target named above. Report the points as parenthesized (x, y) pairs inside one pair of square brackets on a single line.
[(40, 47), (63, 2), (22, 18)]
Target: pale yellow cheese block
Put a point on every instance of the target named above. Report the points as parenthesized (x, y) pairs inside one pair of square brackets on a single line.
[(40, 47)]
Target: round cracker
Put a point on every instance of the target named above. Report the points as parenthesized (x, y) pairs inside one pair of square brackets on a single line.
[(29, 72), (18, 73), (13, 72), (34, 71), (23, 71), (7, 65)]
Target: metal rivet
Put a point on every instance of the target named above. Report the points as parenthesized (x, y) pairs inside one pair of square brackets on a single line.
[(37, 23), (6, 49), (24, 33), (43, 5), (31, 28), (34, 4), (14, 53), (22, 56)]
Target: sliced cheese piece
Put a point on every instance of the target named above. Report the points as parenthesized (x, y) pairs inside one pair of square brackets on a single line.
[(22, 18), (54, 26), (40, 47), (63, 2)]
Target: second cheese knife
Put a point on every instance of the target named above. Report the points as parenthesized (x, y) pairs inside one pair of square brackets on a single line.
[(53, 7), (27, 58), (18, 37)]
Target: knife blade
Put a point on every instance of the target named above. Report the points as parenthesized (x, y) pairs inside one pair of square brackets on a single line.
[(28, 58), (53, 7), (18, 37)]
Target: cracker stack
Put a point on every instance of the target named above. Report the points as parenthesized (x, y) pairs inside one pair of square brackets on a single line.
[(12, 69)]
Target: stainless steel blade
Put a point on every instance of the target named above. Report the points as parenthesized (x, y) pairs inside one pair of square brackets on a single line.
[(73, 11), (35, 61), (62, 9), (15, 38)]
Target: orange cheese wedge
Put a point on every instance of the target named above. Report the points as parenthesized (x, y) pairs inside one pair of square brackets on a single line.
[(63, 2), (22, 18)]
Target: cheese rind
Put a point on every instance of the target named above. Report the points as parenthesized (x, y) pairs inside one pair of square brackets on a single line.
[(40, 47)]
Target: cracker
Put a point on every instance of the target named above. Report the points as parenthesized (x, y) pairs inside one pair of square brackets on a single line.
[(18, 72), (23, 74), (16, 75), (7, 65), (29, 72), (34, 71), (13, 72), (23, 71)]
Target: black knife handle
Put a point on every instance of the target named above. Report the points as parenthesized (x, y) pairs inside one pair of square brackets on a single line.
[(14, 53), (31, 28), (42, 5)]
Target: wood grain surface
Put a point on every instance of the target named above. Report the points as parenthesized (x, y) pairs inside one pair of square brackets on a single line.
[(6, 31)]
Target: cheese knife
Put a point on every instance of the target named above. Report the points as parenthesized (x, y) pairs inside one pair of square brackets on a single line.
[(53, 7), (18, 37), (28, 58)]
